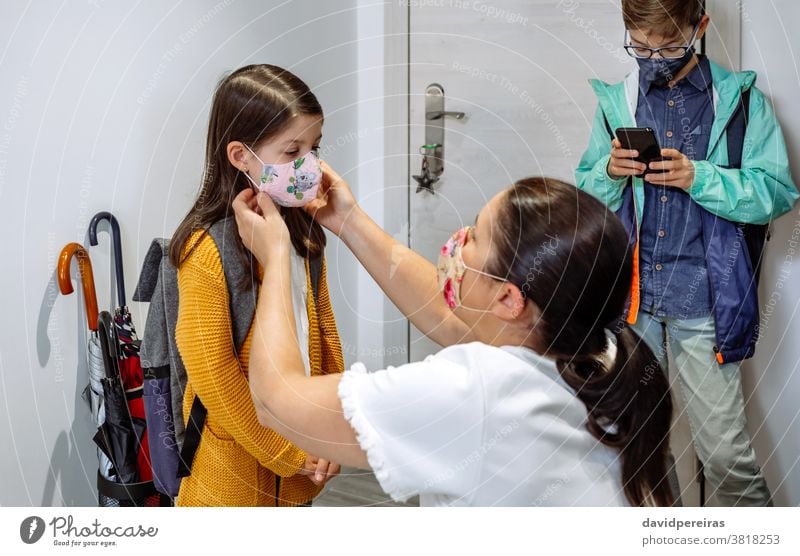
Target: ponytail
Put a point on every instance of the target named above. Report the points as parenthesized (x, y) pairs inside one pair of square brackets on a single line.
[(629, 408)]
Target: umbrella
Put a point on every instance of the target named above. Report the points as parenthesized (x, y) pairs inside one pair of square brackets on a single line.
[(126, 343), (119, 437), (94, 390)]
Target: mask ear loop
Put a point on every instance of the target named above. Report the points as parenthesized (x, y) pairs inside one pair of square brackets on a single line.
[(253, 184), (488, 275), (255, 155), (473, 309), (485, 274)]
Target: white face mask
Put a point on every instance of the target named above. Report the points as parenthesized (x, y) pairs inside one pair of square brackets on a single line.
[(292, 184)]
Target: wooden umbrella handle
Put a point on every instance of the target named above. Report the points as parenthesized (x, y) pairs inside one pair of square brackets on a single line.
[(87, 278)]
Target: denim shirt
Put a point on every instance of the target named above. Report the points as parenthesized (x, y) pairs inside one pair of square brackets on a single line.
[(674, 281)]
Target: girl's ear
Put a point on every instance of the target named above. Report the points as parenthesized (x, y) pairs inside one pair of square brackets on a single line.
[(238, 155)]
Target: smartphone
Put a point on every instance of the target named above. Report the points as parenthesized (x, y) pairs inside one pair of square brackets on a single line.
[(642, 139)]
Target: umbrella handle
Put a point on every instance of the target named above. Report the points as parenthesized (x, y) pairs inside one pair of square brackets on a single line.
[(87, 278), (117, 238)]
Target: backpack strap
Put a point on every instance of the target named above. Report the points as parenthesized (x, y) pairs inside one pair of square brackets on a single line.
[(608, 126), (242, 291), (315, 269), (755, 235), (735, 132)]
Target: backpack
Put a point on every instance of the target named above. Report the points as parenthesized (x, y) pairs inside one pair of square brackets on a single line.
[(173, 443)]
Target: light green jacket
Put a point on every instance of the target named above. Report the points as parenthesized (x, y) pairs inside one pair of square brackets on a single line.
[(755, 194)]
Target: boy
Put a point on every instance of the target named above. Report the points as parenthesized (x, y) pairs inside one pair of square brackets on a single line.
[(697, 230)]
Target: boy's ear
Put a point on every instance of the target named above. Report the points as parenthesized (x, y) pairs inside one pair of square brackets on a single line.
[(237, 155), (703, 26)]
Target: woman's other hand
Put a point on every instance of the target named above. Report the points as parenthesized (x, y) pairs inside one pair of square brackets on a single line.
[(335, 202)]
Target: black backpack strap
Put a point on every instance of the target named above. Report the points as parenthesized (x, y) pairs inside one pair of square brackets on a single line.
[(194, 431), (315, 269), (735, 132), (608, 126)]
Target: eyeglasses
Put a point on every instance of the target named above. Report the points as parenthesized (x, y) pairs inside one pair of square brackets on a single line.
[(667, 52)]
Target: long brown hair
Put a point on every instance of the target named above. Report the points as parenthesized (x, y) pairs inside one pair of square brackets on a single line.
[(251, 105), (570, 255)]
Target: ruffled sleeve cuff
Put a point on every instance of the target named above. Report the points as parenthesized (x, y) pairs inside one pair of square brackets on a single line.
[(368, 438)]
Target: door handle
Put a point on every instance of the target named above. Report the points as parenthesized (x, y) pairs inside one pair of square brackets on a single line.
[(433, 150), (443, 113)]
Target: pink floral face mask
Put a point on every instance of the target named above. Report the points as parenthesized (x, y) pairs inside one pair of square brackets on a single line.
[(293, 184), (451, 269)]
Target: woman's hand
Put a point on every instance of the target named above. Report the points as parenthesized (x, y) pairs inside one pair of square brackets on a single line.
[(261, 226), (319, 470), (335, 203)]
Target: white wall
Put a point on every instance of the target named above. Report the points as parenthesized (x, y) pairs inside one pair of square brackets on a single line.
[(103, 106), (771, 46), (382, 169)]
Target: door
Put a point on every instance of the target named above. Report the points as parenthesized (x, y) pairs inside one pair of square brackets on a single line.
[(519, 72)]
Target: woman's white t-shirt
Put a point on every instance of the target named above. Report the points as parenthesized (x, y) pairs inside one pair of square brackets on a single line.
[(478, 425)]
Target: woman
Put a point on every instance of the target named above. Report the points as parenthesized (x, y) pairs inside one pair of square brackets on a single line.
[(543, 397)]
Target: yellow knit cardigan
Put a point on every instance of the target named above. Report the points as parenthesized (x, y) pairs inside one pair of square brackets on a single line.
[(238, 461)]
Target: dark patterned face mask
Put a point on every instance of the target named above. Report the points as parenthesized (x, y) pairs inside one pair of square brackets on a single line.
[(660, 71)]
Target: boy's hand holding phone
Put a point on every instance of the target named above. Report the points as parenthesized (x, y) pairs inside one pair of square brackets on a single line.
[(675, 171), (622, 163), (635, 150)]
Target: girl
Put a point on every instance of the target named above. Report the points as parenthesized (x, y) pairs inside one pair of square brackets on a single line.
[(544, 396), (264, 131)]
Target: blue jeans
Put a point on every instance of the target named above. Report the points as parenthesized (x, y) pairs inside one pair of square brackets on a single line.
[(714, 403)]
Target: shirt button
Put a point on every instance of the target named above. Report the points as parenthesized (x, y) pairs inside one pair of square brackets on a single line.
[(663, 198), (670, 103), (659, 267), (669, 134), (661, 233)]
